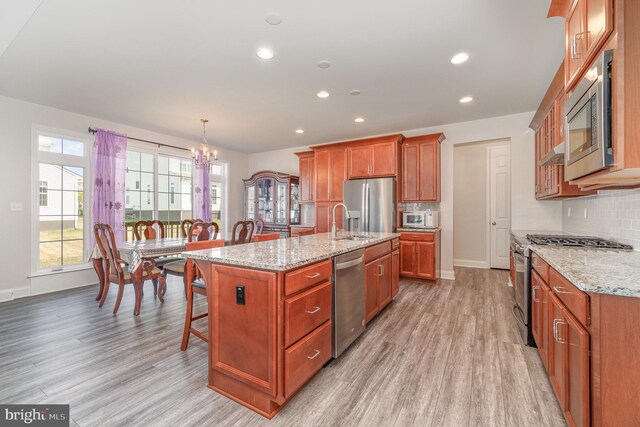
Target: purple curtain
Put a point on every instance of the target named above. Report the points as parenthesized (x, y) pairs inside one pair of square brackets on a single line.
[(110, 154), (201, 189)]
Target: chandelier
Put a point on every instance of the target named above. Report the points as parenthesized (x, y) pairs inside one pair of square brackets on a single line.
[(205, 152)]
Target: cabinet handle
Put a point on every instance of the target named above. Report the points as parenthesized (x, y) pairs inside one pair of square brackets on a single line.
[(313, 276), (534, 294), (556, 330), (314, 356), (381, 269), (315, 310), (560, 290)]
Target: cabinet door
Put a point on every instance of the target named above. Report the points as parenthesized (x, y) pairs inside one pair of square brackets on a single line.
[(407, 258), (322, 170), (250, 202), (543, 296), (323, 217), (359, 161), (306, 179), (384, 280), (536, 314), (282, 203), (599, 23), (429, 175), (384, 159), (557, 364), (266, 199), (426, 260), (576, 345), (410, 172), (372, 299), (575, 47), (337, 174), (395, 272)]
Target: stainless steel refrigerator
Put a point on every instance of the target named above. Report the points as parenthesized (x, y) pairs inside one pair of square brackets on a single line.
[(371, 204)]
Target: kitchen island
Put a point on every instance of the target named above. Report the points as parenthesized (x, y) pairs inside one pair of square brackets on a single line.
[(270, 310)]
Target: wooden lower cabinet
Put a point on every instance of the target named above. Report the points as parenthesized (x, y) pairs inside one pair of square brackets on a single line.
[(395, 272), (419, 255), (378, 285), (575, 342)]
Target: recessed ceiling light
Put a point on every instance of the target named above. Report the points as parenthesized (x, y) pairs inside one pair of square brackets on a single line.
[(355, 92), (323, 94), (265, 53), (459, 58), (299, 130), (466, 99), (273, 19), (324, 64), (358, 120)]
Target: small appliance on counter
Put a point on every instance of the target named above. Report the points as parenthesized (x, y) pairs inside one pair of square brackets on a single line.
[(421, 219)]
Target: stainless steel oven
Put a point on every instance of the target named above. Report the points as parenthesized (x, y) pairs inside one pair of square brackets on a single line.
[(588, 111), (522, 289)]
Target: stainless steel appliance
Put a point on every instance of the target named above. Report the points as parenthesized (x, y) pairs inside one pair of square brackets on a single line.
[(588, 110), (348, 299), (420, 219), (371, 205), (522, 255)]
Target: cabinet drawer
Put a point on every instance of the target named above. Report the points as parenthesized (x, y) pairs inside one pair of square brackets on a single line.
[(418, 237), (376, 251), (395, 244), (305, 312), (306, 277), (539, 265), (576, 301), (303, 359)]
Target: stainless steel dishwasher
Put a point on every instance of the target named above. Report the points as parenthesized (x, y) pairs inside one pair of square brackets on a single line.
[(348, 299)]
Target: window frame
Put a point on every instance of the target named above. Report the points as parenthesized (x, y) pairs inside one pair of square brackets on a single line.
[(70, 160)]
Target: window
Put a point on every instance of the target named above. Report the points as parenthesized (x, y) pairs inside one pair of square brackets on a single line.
[(174, 189), (44, 188), (218, 187), (139, 187), (61, 235)]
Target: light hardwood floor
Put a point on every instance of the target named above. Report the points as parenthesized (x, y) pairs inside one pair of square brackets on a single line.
[(444, 354)]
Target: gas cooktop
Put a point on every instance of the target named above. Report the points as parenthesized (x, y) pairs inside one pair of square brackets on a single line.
[(576, 241)]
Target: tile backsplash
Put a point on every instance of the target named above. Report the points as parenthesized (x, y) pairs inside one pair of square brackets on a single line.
[(611, 215)]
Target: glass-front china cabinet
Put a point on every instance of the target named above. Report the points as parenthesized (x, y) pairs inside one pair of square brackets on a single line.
[(274, 197)]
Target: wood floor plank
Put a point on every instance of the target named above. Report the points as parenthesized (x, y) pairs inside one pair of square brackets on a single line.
[(439, 354)]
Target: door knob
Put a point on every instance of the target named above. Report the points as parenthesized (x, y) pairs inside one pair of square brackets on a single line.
[(493, 223)]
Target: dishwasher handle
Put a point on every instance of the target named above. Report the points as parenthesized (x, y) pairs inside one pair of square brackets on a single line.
[(343, 265)]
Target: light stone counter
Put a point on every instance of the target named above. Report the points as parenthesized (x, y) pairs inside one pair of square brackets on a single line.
[(596, 270), (287, 254), (521, 235), (419, 230)]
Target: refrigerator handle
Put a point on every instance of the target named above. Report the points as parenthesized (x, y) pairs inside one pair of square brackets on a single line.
[(363, 218), (366, 206)]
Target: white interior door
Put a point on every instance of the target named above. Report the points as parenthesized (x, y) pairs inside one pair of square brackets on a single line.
[(499, 205)]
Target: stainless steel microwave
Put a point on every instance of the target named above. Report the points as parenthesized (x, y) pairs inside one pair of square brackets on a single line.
[(588, 112), (420, 219)]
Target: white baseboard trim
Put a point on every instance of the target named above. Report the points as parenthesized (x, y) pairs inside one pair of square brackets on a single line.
[(11, 294), (447, 275), (470, 263)]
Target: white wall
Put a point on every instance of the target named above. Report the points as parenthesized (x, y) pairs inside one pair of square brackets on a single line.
[(16, 121), (526, 214), (610, 214)]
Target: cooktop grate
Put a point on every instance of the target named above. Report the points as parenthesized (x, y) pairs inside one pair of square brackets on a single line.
[(576, 241)]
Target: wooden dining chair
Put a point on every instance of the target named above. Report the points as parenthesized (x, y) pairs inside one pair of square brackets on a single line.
[(148, 229), (185, 226), (265, 237), (115, 267), (242, 232), (196, 286), (259, 225), (200, 232)]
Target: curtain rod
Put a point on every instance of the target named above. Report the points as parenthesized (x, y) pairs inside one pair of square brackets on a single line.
[(159, 144)]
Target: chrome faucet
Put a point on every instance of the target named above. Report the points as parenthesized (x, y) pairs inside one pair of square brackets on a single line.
[(334, 232)]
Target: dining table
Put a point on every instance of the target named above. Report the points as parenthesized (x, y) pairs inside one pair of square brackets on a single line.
[(134, 253)]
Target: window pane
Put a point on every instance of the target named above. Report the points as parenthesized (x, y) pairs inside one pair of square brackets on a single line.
[(72, 228), (174, 166), (186, 167), (72, 252), (216, 169), (73, 148), (146, 181), (54, 203), (133, 160), (175, 201), (163, 165), (132, 200), (146, 162), (72, 178), (174, 184), (50, 255), (50, 228), (52, 175), (50, 144), (163, 202), (163, 183), (185, 186), (132, 180)]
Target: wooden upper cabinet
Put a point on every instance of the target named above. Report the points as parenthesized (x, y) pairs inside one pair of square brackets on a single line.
[(575, 43), (329, 174), (307, 176), (375, 157), (599, 22), (421, 168)]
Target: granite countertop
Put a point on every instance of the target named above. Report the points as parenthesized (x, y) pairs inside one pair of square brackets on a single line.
[(598, 271), (287, 254), (419, 230)]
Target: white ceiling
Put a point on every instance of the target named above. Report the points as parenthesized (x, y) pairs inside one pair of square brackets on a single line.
[(162, 65)]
